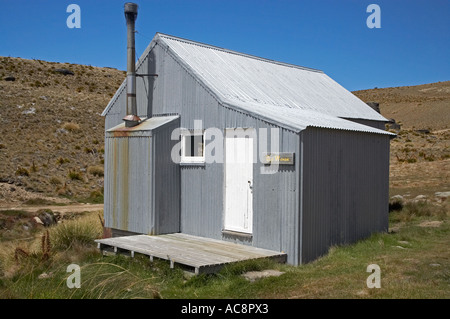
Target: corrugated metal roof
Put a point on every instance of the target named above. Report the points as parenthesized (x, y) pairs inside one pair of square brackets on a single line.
[(298, 120), (238, 77), (147, 125), (291, 96)]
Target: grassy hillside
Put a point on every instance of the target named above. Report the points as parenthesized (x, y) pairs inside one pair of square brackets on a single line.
[(51, 128), (420, 154), (416, 107)]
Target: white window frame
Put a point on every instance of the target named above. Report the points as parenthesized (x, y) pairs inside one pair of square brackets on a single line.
[(191, 159)]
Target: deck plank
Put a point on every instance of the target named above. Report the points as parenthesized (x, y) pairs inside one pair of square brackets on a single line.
[(164, 246), (203, 254)]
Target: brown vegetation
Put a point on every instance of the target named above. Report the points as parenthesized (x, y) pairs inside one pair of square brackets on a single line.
[(51, 126), (420, 154), (416, 107)]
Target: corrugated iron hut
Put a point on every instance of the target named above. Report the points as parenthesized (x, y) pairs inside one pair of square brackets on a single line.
[(235, 147)]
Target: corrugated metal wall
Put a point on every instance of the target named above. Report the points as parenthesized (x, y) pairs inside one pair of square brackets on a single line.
[(345, 188), (144, 87), (202, 187), (142, 189), (275, 206), (166, 185), (344, 180), (125, 161), (376, 124)]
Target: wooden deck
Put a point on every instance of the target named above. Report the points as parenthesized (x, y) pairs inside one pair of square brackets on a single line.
[(204, 255)]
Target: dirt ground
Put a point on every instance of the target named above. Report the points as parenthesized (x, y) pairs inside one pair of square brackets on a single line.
[(420, 163), (13, 195), (17, 198), (413, 179), (73, 208)]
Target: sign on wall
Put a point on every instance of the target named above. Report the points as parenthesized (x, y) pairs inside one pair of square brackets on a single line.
[(285, 158)]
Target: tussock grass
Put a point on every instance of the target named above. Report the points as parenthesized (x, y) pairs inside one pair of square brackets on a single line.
[(75, 233), (75, 176), (96, 197), (414, 262), (55, 180), (96, 170), (22, 171), (61, 161), (69, 235), (419, 209), (71, 126)]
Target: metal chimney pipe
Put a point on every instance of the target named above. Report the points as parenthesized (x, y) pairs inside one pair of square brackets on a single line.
[(131, 10)]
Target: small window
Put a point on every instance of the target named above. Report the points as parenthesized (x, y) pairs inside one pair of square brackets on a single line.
[(192, 147)]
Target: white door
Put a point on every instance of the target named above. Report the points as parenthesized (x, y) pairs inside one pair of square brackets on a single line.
[(239, 180)]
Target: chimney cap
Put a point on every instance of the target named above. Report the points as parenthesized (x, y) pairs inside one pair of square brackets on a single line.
[(131, 7), (131, 120)]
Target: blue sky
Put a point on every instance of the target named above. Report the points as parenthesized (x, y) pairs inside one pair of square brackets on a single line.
[(411, 47)]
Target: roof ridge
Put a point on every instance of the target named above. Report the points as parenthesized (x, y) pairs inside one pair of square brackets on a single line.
[(205, 45)]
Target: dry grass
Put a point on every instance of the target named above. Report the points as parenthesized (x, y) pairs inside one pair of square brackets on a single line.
[(60, 241), (420, 162), (71, 127), (55, 180), (80, 232), (96, 170), (37, 268), (44, 144), (414, 262), (417, 107), (75, 176)]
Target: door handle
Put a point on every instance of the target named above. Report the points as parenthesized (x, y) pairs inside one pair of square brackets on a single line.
[(250, 184)]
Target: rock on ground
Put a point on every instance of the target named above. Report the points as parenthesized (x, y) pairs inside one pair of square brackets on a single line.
[(434, 223), (442, 194), (47, 217), (397, 197), (254, 275)]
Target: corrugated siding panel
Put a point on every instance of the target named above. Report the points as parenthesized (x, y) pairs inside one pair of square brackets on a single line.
[(275, 199), (145, 86), (108, 180), (112, 120), (127, 160), (167, 181), (139, 206), (202, 188), (345, 188), (202, 200), (375, 124), (142, 183)]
